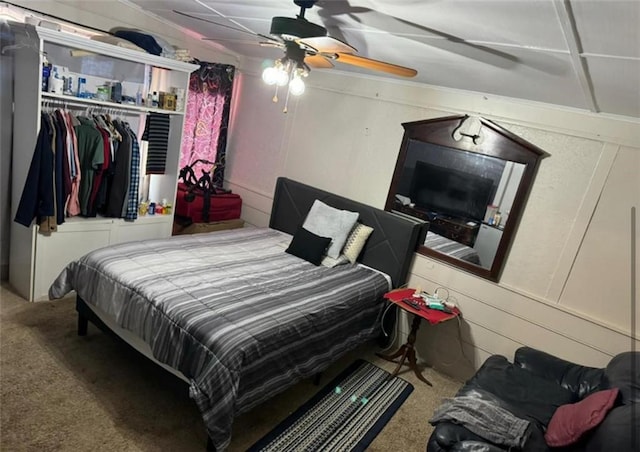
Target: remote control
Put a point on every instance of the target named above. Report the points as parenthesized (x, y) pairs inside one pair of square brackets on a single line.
[(411, 302)]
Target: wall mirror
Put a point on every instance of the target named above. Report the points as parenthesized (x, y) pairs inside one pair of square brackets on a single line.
[(469, 178)]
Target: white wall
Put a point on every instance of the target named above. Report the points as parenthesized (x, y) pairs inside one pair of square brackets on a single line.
[(566, 285)]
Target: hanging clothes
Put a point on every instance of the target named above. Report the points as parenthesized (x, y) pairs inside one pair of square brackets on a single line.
[(37, 199), (81, 166), (73, 204), (94, 202), (119, 186), (90, 150), (134, 184), (156, 133), (59, 150)]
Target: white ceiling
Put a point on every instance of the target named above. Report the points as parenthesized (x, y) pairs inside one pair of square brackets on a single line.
[(576, 53)]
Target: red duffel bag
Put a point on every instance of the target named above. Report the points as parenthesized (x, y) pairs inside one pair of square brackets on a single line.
[(191, 203), (199, 200)]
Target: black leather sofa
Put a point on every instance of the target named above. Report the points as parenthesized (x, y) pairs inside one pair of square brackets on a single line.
[(534, 386)]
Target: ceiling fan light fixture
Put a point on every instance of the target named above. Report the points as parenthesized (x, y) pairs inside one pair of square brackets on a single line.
[(282, 77), (270, 75), (296, 85)]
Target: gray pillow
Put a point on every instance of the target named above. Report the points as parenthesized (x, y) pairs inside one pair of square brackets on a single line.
[(327, 221)]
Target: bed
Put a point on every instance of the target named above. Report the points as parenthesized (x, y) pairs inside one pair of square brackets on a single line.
[(234, 315), (451, 248)]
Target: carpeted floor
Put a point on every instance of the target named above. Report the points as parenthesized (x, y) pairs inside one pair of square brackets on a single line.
[(61, 392)]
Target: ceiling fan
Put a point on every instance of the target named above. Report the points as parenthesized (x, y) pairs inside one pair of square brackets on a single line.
[(307, 45)]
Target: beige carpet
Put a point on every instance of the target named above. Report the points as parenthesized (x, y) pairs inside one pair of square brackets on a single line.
[(61, 392)]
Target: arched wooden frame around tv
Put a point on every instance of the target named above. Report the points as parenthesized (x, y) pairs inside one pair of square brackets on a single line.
[(445, 170)]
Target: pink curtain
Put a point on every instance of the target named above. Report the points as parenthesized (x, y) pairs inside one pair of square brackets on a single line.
[(207, 118)]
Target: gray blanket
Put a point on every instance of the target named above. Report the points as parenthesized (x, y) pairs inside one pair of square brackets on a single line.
[(485, 419), (232, 311)]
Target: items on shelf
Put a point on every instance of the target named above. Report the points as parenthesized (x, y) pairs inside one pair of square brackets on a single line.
[(167, 101), (46, 73), (183, 55), (152, 208), (490, 213), (180, 97), (59, 80), (82, 87)]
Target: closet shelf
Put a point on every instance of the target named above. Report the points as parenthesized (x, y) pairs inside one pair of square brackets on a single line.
[(79, 101), (100, 219), (75, 41)]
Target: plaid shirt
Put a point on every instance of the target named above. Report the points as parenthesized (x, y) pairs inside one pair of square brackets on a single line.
[(132, 202)]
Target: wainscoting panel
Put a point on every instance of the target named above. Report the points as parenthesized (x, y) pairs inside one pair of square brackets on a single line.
[(499, 320), (256, 206)]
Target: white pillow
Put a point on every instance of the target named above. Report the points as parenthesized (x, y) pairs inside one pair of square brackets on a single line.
[(327, 221), (331, 262), (355, 242)]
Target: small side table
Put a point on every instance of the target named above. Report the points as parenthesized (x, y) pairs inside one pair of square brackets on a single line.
[(433, 316)]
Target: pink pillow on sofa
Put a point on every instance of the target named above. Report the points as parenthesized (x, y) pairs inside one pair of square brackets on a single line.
[(569, 422)]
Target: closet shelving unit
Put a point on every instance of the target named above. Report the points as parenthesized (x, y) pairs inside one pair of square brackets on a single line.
[(37, 259)]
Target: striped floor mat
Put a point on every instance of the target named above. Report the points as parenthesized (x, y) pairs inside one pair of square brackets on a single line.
[(346, 415)]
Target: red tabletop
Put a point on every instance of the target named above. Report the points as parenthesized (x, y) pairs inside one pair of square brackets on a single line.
[(432, 315)]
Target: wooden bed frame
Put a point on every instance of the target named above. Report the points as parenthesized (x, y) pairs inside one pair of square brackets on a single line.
[(390, 249)]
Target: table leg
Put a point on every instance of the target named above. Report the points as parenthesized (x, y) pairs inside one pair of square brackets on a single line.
[(408, 352)]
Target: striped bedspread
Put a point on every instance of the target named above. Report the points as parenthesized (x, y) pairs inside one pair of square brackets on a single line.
[(451, 248), (239, 317)]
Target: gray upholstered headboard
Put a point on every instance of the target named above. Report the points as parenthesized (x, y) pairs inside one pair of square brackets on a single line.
[(390, 247)]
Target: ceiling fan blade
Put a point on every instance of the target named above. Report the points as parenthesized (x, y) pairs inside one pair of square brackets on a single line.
[(318, 62), (327, 44), (375, 65), (242, 41), (268, 38)]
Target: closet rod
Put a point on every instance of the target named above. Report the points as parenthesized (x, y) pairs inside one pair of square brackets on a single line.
[(57, 99), (53, 104)]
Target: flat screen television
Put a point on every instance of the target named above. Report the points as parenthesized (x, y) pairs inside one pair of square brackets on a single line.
[(448, 191)]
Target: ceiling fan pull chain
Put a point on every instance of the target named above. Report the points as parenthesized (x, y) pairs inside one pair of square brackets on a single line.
[(286, 102), (275, 96)]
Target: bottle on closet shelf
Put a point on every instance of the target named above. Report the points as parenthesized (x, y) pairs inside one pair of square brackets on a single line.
[(116, 92), (143, 208), (155, 99), (46, 73), (82, 87), (496, 219), (68, 85), (139, 97), (56, 83)]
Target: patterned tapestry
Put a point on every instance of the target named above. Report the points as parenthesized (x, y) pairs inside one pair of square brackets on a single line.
[(207, 118)]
